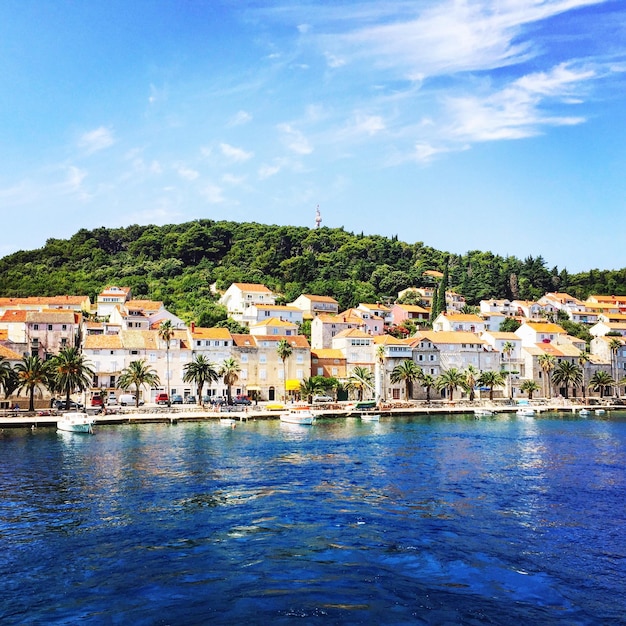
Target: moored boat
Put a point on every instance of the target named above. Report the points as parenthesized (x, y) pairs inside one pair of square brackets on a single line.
[(298, 415), (600, 411), (584, 412), (370, 417), (76, 422), (227, 421), (526, 412), (483, 412)]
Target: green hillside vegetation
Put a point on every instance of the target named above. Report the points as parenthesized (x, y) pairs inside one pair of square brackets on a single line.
[(178, 263)]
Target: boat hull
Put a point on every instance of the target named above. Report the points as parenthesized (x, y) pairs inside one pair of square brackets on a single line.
[(76, 423)]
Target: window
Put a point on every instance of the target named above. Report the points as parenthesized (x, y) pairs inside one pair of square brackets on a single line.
[(49, 326), (262, 374), (35, 326), (300, 358), (244, 358), (320, 371), (64, 327), (334, 371), (262, 358)]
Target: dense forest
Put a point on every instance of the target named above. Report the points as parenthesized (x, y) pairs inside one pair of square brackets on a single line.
[(178, 263)]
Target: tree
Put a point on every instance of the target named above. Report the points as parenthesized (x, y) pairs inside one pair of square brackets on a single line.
[(507, 349), (310, 386), (284, 351), (360, 379), (567, 373), (32, 373), (529, 387), (471, 378), (70, 372), (601, 381), (491, 379), (138, 374), (166, 332), (406, 372), (229, 371), (428, 382), (6, 374), (583, 359), (200, 372), (547, 362), (614, 346), (450, 380)]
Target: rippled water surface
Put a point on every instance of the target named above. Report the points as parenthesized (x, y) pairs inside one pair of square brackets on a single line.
[(440, 520)]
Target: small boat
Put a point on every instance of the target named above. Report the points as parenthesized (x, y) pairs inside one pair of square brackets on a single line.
[(600, 411), (298, 415), (76, 422), (525, 412), (227, 421), (584, 412), (370, 417), (483, 412)]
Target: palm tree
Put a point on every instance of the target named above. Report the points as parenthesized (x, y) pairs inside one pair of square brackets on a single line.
[(360, 378), (546, 363), (138, 374), (166, 332), (614, 346), (70, 372), (491, 379), (200, 372), (379, 377), (529, 387), (284, 351), (310, 386), (32, 373), (507, 349), (229, 371), (6, 372), (600, 381), (428, 382), (450, 380), (471, 378), (583, 359), (406, 372), (567, 373)]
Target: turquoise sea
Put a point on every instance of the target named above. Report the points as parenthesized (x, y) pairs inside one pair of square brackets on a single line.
[(419, 520)]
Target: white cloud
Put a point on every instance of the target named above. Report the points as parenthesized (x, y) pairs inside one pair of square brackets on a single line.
[(231, 179), (186, 172), (96, 140), (241, 117), (294, 139), (267, 171), (237, 155), (212, 194)]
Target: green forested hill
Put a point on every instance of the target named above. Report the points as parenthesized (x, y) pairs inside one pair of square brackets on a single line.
[(178, 263)]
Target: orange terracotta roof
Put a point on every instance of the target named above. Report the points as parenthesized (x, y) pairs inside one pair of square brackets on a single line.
[(211, 333), (252, 287), (319, 298), (13, 316), (328, 353), (9, 355), (353, 332)]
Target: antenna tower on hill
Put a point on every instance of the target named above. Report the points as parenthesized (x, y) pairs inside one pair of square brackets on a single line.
[(318, 217)]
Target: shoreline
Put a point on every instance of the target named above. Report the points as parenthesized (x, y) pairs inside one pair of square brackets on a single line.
[(150, 415)]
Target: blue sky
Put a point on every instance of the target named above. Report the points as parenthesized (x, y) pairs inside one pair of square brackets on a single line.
[(468, 125)]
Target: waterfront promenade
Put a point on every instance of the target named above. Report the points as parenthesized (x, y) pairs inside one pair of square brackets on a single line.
[(160, 414)]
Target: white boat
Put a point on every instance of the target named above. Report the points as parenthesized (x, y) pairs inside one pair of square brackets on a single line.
[(584, 412), (298, 415), (600, 411), (525, 412), (483, 412), (76, 422), (370, 417), (227, 421)]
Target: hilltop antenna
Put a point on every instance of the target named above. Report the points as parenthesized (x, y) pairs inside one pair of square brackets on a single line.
[(318, 217)]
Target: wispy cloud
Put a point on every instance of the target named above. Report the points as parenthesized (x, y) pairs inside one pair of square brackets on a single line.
[(212, 194), (240, 118), (295, 139), (96, 140), (234, 154), (186, 172)]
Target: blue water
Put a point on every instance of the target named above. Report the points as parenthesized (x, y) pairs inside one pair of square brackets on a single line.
[(430, 520)]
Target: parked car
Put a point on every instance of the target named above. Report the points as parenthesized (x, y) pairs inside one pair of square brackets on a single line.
[(242, 400), (97, 401), (177, 399), (322, 399), (162, 398), (61, 405), (218, 400), (129, 399), (190, 400)]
